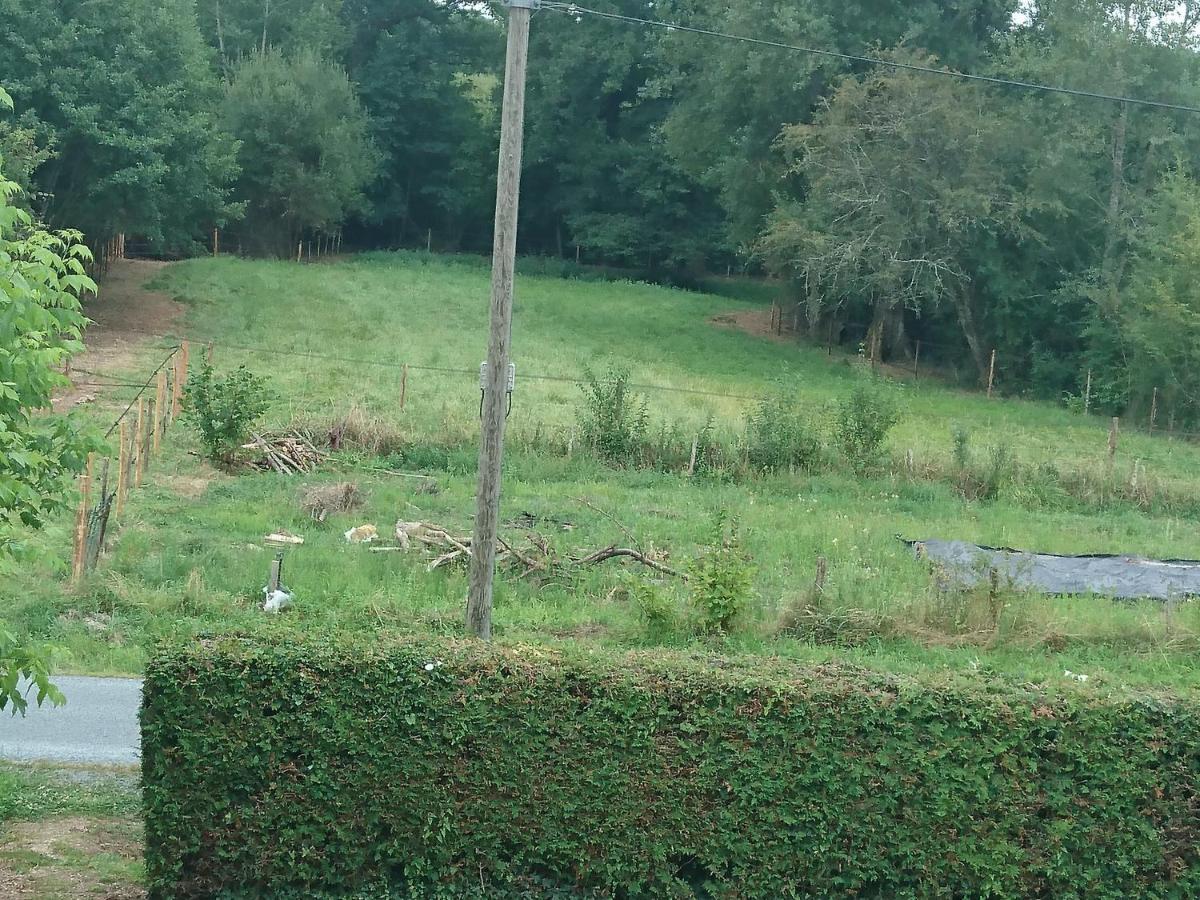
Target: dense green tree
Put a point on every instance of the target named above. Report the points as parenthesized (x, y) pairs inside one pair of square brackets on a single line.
[(305, 150), (731, 100), (237, 29), (598, 173), (901, 193), (124, 97), (1159, 319), (427, 76)]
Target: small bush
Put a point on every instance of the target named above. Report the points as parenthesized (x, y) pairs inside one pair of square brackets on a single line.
[(656, 607), (779, 437), (224, 410), (962, 447), (983, 482), (721, 580), (999, 472), (612, 419), (863, 420)]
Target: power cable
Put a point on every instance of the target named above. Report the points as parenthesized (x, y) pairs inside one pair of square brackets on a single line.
[(575, 10)]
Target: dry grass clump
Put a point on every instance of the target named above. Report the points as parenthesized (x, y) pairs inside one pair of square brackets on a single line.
[(322, 500)]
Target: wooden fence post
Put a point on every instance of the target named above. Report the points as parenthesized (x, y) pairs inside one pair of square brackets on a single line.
[(819, 580), (176, 386), (403, 385), (122, 467), (1087, 395), (182, 365), (103, 512), (991, 375), (692, 464), (81, 520), (160, 402), (139, 465), (1114, 433)]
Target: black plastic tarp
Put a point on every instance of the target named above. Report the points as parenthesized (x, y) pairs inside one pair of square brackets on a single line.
[(1119, 577)]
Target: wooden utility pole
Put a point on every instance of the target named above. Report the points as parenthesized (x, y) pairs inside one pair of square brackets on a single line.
[(504, 253)]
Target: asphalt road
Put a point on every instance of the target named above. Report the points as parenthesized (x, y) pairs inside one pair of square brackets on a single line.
[(98, 724)]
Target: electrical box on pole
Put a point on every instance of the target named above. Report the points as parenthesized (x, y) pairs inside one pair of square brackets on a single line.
[(494, 377)]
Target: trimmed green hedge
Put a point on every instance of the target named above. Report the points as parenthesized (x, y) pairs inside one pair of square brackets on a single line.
[(426, 771)]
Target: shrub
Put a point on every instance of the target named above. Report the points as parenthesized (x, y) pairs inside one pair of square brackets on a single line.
[(863, 420), (779, 437), (721, 579), (613, 419), (986, 482), (962, 447), (656, 608), (999, 471), (224, 410), (314, 769)]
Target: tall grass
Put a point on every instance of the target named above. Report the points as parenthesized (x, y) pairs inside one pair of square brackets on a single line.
[(190, 557)]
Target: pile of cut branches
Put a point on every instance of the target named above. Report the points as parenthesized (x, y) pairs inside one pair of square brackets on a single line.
[(288, 453)]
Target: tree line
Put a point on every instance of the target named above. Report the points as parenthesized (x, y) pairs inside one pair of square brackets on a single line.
[(897, 207)]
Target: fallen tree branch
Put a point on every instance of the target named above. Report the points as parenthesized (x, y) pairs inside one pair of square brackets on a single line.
[(538, 556), (614, 552)]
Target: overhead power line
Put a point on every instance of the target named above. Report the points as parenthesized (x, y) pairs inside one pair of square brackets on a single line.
[(575, 10)]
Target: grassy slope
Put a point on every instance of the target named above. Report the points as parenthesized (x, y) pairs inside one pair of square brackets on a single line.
[(198, 564)]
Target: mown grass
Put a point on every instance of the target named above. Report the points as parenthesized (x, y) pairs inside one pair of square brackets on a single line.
[(190, 555), (32, 793)]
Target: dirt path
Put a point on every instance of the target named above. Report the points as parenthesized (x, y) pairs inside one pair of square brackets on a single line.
[(72, 857), (126, 318)]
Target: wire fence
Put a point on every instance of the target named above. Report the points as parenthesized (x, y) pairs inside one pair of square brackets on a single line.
[(136, 446), (1152, 425)]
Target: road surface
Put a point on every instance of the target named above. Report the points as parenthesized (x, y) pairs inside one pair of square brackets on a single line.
[(98, 725)]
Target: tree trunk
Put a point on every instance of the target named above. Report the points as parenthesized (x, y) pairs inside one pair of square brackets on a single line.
[(964, 303), (1108, 265), (1112, 240), (266, 16), (221, 39)]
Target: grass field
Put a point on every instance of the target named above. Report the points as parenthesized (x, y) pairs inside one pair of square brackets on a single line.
[(189, 555)]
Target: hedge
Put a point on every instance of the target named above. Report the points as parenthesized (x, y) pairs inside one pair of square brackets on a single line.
[(455, 770)]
